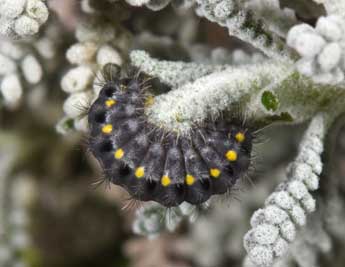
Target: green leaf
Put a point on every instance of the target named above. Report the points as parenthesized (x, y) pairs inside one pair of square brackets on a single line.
[(270, 101)]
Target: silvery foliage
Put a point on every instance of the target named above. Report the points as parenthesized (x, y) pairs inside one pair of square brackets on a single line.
[(299, 78)]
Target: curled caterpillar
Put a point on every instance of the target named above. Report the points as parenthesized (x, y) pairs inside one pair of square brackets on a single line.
[(153, 164)]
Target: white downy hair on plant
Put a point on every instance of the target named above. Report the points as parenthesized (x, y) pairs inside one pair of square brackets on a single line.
[(173, 74), (207, 96), (275, 226), (239, 22), (22, 18)]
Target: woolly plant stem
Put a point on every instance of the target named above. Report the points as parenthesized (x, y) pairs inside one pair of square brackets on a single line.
[(275, 225), (208, 96), (269, 91), (173, 74), (245, 26)]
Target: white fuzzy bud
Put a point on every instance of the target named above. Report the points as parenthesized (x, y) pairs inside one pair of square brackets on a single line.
[(284, 200), (81, 124), (298, 215), (155, 5), (312, 159), (86, 7), (297, 189), (280, 247), (11, 89), (12, 50), (296, 32), (137, 2), (75, 103), (330, 56), (107, 54), (187, 209), (265, 234), (11, 8), (257, 218), (309, 44), (6, 27), (81, 53), (261, 255), (7, 65), (308, 203), (32, 69), (275, 215), (288, 230), (25, 26), (37, 10), (329, 29), (77, 79), (303, 172), (45, 48)]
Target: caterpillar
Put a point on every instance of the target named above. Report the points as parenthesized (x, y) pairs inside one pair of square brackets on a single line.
[(153, 164)]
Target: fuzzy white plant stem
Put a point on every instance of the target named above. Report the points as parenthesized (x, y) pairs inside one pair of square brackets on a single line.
[(275, 225), (208, 96), (173, 74), (245, 26)]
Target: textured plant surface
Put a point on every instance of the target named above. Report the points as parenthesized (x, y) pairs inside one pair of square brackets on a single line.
[(276, 66)]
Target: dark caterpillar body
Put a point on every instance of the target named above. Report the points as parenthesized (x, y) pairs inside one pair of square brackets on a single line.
[(154, 165)]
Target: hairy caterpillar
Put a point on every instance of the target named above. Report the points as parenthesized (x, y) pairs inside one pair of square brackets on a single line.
[(152, 164)]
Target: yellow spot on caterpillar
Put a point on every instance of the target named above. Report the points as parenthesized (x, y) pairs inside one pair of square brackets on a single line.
[(140, 172), (215, 172), (240, 137), (108, 128), (110, 102), (165, 180), (149, 101), (190, 179), (123, 87), (119, 153), (231, 155)]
